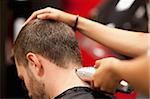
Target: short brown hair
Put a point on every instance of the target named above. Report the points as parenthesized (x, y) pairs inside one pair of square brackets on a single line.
[(53, 40)]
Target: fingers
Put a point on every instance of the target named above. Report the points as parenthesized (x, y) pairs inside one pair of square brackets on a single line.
[(92, 84), (34, 14), (109, 86), (97, 82), (106, 86), (103, 87), (48, 16)]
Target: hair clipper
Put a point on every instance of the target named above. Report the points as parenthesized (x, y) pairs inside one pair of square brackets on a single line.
[(86, 74)]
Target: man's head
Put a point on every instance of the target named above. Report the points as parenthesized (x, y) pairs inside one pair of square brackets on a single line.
[(41, 45)]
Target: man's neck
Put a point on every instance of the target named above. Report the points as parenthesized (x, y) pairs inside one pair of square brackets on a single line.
[(68, 79)]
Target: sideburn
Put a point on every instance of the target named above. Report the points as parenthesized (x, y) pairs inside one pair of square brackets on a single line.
[(36, 88)]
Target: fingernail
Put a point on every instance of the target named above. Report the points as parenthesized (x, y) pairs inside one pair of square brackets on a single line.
[(38, 16)]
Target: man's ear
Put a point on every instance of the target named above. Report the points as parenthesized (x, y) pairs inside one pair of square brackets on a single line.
[(35, 64)]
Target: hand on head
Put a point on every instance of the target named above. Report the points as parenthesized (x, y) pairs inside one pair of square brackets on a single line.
[(46, 13), (50, 13)]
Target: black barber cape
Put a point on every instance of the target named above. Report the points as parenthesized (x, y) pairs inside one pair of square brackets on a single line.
[(83, 93)]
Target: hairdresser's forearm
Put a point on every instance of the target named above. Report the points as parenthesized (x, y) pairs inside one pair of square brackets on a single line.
[(126, 42), (136, 72)]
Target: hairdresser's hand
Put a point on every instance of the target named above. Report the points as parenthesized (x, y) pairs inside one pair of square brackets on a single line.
[(106, 77), (54, 14)]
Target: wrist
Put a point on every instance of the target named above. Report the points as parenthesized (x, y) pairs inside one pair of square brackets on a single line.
[(76, 23), (68, 19)]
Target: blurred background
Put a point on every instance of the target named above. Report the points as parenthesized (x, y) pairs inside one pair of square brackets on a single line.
[(124, 14)]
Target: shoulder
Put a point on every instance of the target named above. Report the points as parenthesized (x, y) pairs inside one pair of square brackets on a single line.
[(83, 93)]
